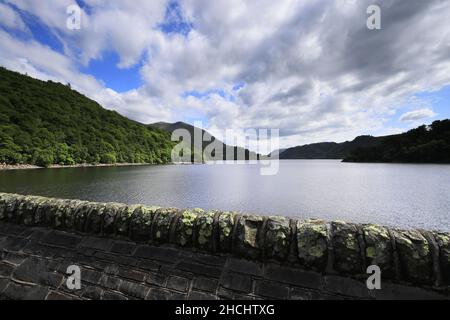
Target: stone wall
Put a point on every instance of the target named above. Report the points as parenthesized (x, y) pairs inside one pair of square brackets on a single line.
[(417, 257)]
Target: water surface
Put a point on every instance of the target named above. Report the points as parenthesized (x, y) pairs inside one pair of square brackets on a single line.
[(403, 195)]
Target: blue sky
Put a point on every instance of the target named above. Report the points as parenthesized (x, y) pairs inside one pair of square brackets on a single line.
[(243, 64)]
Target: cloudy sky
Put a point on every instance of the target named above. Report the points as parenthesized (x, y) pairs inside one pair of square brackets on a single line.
[(311, 68)]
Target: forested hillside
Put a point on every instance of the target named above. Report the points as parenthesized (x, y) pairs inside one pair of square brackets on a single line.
[(425, 144), (227, 152), (45, 123), (329, 150)]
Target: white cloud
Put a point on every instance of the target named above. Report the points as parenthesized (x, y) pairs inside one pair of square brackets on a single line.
[(11, 19), (417, 115), (310, 68)]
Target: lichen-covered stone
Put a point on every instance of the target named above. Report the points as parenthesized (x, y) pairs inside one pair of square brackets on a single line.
[(226, 224), (205, 229), (10, 208), (247, 236), (25, 210), (110, 217), (70, 213), (42, 207), (94, 219), (161, 226), (443, 241), (414, 255), (28, 208), (277, 238), (5, 200), (81, 216), (123, 220), (185, 227), (347, 252), (53, 213), (312, 244), (379, 250), (141, 220)]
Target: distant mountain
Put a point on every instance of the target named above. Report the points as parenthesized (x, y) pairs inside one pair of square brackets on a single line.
[(236, 153), (425, 144), (276, 153), (329, 150), (44, 123)]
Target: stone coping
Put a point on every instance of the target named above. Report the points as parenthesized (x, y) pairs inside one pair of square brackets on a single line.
[(419, 257)]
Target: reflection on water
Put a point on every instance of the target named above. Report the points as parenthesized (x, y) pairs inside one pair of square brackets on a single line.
[(404, 195)]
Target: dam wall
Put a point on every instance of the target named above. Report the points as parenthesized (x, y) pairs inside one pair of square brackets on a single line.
[(238, 255)]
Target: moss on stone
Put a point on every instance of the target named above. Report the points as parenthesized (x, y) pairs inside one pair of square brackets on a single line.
[(247, 236), (312, 243), (443, 241), (205, 226), (161, 228), (414, 255), (25, 210), (277, 238), (347, 255), (379, 249), (94, 220), (10, 208), (81, 216), (185, 227), (5, 200), (140, 222), (109, 219), (226, 224), (70, 213)]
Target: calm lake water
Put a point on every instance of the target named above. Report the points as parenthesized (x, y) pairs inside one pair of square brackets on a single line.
[(403, 195)]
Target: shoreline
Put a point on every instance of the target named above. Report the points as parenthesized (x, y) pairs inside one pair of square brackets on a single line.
[(11, 167)]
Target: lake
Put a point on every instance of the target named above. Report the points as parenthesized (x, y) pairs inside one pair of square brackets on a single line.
[(402, 195)]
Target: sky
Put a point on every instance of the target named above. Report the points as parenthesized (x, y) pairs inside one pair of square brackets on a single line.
[(310, 68)]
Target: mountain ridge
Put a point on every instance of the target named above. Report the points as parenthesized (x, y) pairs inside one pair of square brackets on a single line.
[(236, 151), (44, 123)]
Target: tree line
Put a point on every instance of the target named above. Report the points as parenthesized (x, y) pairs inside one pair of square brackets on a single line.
[(44, 123)]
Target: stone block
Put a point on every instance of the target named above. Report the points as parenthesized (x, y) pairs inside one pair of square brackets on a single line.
[(272, 290), (70, 213), (236, 282), (133, 290), (312, 244), (162, 224), (414, 255), (347, 251), (204, 230), (178, 284), (277, 238), (294, 276), (185, 227), (226, 224), (94, 220), (112, 218), (379, 249), (141, 220), (205, 284), (443, 241), (248, 235)]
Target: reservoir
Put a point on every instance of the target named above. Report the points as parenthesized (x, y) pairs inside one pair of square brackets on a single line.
[(398, 195)]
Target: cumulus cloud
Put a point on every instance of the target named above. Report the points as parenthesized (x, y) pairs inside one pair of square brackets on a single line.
[(310, 68), (417, 115)]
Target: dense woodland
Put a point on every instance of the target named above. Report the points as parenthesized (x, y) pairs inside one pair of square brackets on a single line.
[(329, 150), (425, 144), (44, 123)]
